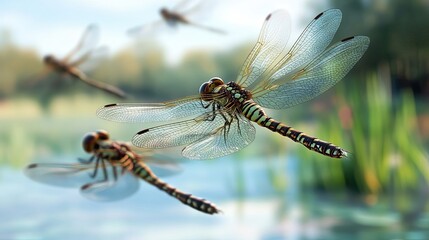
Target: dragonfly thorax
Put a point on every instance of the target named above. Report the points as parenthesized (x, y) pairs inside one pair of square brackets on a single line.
[(48, 59), (53, 62), (225, 94), (235, 94)]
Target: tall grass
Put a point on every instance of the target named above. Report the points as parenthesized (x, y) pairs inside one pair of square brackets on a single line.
[(380, 132)]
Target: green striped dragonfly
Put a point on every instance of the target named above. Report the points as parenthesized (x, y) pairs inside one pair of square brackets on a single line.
[(111, 173), (272, 77)]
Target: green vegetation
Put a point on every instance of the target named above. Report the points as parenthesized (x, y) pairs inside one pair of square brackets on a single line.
[(377, 113), (385, 148), (379, 128)]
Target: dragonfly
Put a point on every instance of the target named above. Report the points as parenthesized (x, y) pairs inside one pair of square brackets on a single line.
[(219, 121), (111, 173), (82, 54), (179, 14)]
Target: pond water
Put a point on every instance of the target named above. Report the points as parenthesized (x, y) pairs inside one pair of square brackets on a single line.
[(252, 209)]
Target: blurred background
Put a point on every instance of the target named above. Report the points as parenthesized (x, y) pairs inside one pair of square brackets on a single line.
[(273, 189)]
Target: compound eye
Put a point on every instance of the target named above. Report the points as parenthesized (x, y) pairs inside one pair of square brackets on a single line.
[(216, 81), (47, 59), (89, 142), (204, 88), (102, 134)]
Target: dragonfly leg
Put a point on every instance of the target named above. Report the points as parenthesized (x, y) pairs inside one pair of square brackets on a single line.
[(94, 174), (105, 175), (206, 105), (213, 116), (238, 123), (97, 166), (115, 173), (103, 165), (227, 125)]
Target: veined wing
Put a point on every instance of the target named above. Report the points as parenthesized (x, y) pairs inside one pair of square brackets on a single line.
[(269, 48), (221, 143), (87, 43), (207, 136), (161, 164), (79, 175), (194, 9), (163, 169), (315, 78), (90, 58), (152, 112), (147, 29), (179, 133), (61, 175), (103, 191), (182, 6), (312, 42)]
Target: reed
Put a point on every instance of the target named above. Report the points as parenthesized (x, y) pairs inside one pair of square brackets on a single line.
[(380, 132)]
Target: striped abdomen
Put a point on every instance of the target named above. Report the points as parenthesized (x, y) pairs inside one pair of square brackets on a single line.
[(141, 170), (255, 113)]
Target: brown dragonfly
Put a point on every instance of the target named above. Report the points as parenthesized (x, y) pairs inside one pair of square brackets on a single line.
[(83, 54), (112, 173), (179, 14), (219, 121)]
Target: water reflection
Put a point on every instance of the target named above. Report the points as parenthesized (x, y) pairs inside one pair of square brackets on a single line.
[(37, 211)]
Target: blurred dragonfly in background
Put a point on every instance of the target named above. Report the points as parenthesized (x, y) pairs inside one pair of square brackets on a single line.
[(272, 77), (112, 173), (84, 55), (179, 14)]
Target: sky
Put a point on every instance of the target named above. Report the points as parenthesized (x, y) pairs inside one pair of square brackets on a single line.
[(56, 26)]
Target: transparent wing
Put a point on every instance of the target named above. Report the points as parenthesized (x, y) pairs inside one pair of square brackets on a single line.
[(148, 29), (161, 164), (61, 175), (318, 76), (163, 169), (179, 133), (90, 59), (268, 50), (126, 185), (208, 28), (195, 9), (79, 175), (182, 6), (87, 42), (152, 112), (240, 134), (312, 42), (207, 136)]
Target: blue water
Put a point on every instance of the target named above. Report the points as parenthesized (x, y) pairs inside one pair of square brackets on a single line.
[(30, 210), (252, 209)]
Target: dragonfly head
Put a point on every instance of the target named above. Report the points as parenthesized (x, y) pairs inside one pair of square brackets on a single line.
[(209, 87), (90, 141), (163, 11), (48, 59)]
